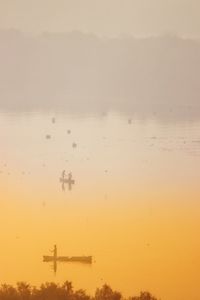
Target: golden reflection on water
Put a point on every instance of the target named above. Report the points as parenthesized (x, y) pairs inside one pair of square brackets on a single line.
[(134, 205)]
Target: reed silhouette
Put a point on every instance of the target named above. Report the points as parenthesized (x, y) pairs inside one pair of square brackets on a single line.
[(53, 291)]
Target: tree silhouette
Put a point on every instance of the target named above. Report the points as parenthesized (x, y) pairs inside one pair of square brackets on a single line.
[(53, 291), (106, 293), (144, 296)]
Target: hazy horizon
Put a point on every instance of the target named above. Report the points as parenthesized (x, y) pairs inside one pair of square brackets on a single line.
[(104, 18)]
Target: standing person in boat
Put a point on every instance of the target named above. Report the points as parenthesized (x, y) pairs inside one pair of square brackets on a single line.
[(55, 252)]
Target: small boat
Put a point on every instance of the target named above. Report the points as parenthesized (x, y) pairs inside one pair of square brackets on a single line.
[(80, 259), (55, 258)]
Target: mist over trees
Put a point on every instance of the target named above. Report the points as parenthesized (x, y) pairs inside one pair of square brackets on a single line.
[(76, 70)]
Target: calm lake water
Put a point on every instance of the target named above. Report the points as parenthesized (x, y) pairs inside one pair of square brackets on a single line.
[(134, 206)]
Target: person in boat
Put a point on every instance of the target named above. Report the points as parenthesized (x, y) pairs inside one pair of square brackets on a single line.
[(55, 252), (63, 174)]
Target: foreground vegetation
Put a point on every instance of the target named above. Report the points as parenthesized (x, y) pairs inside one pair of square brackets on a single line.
[(52, 291)]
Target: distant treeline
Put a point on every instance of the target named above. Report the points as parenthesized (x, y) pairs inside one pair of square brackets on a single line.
[(52, 291), (80, 71)]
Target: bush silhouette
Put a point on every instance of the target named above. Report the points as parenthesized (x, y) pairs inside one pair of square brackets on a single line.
[(106, 293), (53, 291), (144, 296)]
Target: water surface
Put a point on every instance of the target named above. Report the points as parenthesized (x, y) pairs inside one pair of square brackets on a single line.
[(134, 206)]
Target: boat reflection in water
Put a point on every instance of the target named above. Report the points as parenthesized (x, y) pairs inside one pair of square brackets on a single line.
[(55, 259)]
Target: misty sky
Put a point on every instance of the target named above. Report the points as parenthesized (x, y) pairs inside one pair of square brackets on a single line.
[(103, 17)]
